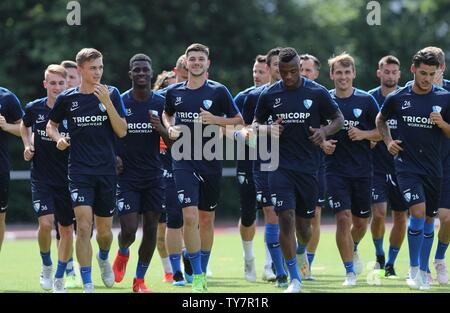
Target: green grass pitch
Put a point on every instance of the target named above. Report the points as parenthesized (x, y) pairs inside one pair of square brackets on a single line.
[(20, 266)]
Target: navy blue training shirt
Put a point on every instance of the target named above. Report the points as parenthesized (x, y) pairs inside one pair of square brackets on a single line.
[(92, 139), (421, 139), (383, 161), (11, 109), (49, 164), (353, 158), (301, 108), (139, 149), (240, 100), (185, 103)]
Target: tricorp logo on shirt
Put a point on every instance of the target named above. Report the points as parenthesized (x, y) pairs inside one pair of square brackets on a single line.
[(294, 117), (418, 121), (93, 120)]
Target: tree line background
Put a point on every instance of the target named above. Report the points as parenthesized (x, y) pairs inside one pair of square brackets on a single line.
[(34, 34)]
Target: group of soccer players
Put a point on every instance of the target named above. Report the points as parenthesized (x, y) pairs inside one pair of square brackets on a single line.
[(95, 151)]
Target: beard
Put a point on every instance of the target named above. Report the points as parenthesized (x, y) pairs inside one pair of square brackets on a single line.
[(389, 84)]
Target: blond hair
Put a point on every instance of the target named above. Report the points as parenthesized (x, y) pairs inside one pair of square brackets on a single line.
[(55, 69), (344, 59)]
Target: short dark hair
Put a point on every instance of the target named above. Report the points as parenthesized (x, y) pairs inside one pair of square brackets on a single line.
[(345, 59), (426, 57), (197, 47), (272, 52), (316, 61), (439, 53), (140, 57), (261, 58), (388, 59), (68, 64), (287, 54)]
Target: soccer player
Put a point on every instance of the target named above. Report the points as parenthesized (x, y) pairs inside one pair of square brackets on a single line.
[(349, 168), (95, 117), (198, 181), (298, 105), (244, 174), (385, 186), (174, 217), (140, 187), (73, 76), (10, 118), (310, 68), (49, 185), (422, 113), (261, 179), (444, 202)]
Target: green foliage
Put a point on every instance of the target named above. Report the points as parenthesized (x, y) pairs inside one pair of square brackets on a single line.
[(35, 33)]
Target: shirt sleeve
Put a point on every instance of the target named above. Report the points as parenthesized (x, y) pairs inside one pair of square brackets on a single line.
[(58, 113), (28, 117), (229, 107), (387, 109), (14, 110), (373, 110), (262, 110), (117, 101), (327, 106), (169, 107)]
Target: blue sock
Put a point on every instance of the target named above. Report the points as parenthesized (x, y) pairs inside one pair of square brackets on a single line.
[(310, 256), (204, 257), (428, 236), (141, 269), (196, 262), (378, 247), (175, 262), (103, 254), (46, 259), (349, 267), (60, 269), (86, 274), (415, 239), (123, 251), (69, 267), (272, 242), (393, 252), (355, 246), (300, 248), (292, 268), (440, 250)]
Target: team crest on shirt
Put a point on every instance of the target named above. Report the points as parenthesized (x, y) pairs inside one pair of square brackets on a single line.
[(37, 205), (241, 179), (437, 109), (258, 197), (357, 112), (307, 103), (207, 104), (102, 107), (407, 196), (65, 124)]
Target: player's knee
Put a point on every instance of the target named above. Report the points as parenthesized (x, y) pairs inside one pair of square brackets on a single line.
[(248, 218), (343, 219), (45, 224), (206, 220), (444, 218)]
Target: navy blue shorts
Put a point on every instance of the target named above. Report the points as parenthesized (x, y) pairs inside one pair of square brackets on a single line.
[(350, 193), (98, 192), (55, 200), (261, 179), (247, 197), (140, 196), (322, 186), (174, 216), (294, 190), (418, 188), (4, 191), (200, 190), (385, 189)]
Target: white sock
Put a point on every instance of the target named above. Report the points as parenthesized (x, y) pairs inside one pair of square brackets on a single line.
[(166, 265), (268, 256), (248, 249)]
